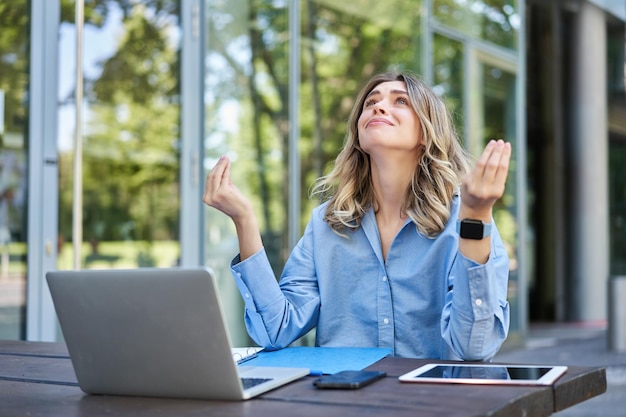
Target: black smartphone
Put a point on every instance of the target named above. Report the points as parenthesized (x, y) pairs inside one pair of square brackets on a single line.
[(348, 379)]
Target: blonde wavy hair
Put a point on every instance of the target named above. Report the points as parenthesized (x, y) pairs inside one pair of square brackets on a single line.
[(437, 176)]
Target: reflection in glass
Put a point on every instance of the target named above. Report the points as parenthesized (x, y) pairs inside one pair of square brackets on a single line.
[(472, 372), (246, 118), (130, 134), (492, 372), (499, 121), (343, 44), (496, 21), (14, 81), (448, 76), (617, 207)]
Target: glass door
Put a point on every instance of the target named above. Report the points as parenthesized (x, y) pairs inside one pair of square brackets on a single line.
[(130, 135), (492, 110), (131, 146), (14, 116)]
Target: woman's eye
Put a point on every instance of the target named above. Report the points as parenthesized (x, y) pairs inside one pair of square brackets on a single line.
[(370, 102), (402, 100)]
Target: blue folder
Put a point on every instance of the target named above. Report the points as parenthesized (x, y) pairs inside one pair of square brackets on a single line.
[(322, 360)]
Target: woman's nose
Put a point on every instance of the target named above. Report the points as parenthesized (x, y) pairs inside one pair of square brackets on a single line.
[(378, 108)]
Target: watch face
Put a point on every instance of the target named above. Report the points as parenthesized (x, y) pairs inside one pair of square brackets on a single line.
[(471, 229)]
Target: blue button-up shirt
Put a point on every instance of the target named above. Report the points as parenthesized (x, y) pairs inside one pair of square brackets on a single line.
[(426, 300)]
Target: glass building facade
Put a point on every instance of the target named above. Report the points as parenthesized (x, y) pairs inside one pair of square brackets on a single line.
[(167, 87)]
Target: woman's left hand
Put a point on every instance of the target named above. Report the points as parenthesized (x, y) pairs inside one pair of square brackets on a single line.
[(485, 184)]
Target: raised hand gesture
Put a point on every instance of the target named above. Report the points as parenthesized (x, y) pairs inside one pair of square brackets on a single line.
[(485, 184), (222, 194), (481, 188)]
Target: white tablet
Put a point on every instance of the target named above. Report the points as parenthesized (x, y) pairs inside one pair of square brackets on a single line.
[(485, 373)]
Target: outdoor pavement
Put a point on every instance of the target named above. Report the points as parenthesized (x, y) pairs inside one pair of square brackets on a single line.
[(577, 344)]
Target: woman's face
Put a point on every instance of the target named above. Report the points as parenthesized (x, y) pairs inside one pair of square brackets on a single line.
[(388, 121)]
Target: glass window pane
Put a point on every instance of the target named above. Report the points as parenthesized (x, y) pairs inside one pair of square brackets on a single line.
[(496, 21), (499, 122), (343, 44), (617, 205), (131, 113), (14, 81), (246, 118), (448, 76)]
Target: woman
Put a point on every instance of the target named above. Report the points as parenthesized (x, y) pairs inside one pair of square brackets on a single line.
[(386, 261)]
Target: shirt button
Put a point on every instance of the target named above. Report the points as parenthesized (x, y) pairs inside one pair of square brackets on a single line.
[(479, 302), (247, 295), (384, 278), (386, 321)]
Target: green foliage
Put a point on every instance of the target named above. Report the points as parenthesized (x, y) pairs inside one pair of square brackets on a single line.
[(14, 41), (496, 21), (130, 149)]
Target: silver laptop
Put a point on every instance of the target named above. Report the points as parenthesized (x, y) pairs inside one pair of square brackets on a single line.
[(154, 332)]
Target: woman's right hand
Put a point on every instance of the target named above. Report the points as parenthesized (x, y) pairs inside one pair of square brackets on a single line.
[(221, 193)]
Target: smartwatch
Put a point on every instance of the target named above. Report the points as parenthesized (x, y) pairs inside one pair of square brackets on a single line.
[(473, 229)]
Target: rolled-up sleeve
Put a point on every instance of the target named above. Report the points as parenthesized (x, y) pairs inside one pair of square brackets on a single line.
[(475, 318)]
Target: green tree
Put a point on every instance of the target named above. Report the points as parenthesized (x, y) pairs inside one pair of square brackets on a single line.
[(131, 132), (14, 82), (14, 48)]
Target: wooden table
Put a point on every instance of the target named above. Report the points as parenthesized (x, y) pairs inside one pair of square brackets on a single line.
[(37, 380)]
